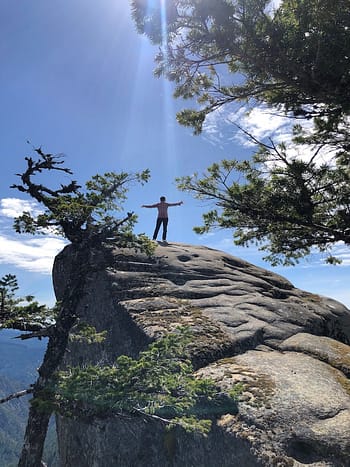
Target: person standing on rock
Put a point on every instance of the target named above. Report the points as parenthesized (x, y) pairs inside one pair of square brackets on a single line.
[(162, 215)]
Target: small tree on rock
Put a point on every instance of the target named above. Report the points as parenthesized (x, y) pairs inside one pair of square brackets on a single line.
[(21, 313), (86, 218), (8, 286)]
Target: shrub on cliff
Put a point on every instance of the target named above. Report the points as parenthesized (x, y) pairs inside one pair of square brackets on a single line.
[(160, 383)]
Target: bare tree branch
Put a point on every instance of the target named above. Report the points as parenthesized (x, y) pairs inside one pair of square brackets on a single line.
[(16, 395), (46, 332)]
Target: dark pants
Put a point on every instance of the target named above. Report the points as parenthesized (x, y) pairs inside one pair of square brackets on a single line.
[(161, 221)]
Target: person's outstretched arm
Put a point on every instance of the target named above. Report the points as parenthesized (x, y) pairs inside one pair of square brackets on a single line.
[(176, 204), (149, 205)]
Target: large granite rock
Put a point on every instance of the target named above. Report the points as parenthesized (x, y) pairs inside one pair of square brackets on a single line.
[(289, 348)]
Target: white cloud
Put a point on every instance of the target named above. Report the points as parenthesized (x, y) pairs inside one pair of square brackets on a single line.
[(35, 255), (13, 207), (263, 124)]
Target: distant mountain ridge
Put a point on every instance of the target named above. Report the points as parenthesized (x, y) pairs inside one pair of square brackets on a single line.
[(13, 417), (19, 359), (18, 364)]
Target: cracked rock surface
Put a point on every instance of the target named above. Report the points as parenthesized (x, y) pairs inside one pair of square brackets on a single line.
[(289, 349)]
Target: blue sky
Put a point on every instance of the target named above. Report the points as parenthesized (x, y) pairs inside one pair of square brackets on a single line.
[(76, 78)]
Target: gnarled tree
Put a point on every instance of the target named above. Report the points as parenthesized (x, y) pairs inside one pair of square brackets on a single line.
[(85, 217), (80, 215)]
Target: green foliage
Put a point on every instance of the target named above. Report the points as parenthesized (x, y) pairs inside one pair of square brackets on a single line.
[(160, 383), (192, 424), (80, 214), (8, 283), (8, 286), (23, 313), (295, 58), (284, 204), (83, 332)]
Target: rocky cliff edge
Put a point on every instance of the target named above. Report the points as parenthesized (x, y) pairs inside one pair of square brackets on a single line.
[(289, 349)]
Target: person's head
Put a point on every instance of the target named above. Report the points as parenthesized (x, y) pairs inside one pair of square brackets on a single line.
[(162, 199)]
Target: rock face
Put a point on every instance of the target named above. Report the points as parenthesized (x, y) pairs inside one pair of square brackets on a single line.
[(289, 348)]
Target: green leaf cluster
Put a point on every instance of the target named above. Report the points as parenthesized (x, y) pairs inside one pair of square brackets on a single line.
[(8, 286), (295, 58), (24, 313), (81, 214), (159, 383), (86, 333), (285, 205)]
